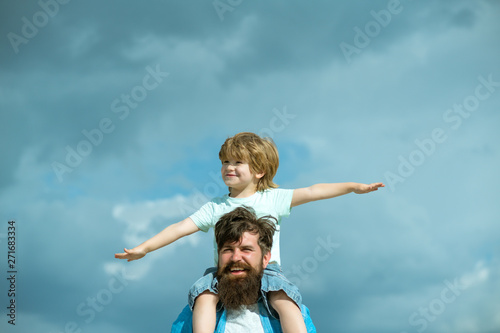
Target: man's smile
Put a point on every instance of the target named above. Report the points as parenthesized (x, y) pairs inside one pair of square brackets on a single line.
[(237, 269)]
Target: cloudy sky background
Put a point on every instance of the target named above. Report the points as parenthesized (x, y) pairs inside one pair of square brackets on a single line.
[(405, 101)]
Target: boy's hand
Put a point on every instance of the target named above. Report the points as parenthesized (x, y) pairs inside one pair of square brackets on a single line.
[(366, 188), (130, 255)]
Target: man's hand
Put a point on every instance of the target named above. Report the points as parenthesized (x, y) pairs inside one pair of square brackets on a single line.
[(130, 255), (367, 188)]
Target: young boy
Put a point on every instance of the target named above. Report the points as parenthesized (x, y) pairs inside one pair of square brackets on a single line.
[(249, 164)]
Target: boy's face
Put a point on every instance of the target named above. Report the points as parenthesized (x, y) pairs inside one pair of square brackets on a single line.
[(237, 174)]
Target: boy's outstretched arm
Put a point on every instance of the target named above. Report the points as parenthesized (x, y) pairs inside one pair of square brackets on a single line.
[(167, 236), (327, 191)]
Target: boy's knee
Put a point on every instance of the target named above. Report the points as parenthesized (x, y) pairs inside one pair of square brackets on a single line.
[(276, 297), (206, 298), (278, 294)]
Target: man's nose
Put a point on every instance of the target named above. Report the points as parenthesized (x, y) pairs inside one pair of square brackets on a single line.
[(236, 255)]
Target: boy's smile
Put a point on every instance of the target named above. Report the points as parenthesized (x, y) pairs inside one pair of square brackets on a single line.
[(238, 176)]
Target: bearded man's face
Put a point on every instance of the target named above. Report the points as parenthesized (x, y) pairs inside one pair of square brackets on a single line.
[(241, 266)]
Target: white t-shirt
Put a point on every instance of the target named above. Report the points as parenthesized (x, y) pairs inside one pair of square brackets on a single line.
[(244, 320), (274, 202)]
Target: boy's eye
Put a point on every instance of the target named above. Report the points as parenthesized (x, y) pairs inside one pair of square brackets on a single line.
[(236, 162)]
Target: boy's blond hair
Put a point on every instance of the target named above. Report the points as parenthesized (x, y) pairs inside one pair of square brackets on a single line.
[(261, 155)]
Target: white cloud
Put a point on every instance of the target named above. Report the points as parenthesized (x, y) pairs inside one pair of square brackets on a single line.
[(480, 274), (145, 219), (141, 218)]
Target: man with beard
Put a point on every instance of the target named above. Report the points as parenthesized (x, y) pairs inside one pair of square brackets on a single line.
[(244, 249)]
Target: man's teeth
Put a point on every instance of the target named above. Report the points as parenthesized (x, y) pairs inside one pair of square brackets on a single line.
[(236, 269)]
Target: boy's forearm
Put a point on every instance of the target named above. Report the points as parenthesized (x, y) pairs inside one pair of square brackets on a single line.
[(163, 238), (168, 235), (320, 192), (331, 190)]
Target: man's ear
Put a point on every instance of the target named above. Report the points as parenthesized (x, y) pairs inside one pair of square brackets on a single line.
[(266, 259)]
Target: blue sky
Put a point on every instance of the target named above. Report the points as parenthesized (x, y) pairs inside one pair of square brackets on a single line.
[(112, 116)]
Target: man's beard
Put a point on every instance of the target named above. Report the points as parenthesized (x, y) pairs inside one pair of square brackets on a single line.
[(235, 291)]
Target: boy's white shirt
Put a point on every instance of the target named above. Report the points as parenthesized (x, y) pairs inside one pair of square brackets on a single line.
[(274, 202)]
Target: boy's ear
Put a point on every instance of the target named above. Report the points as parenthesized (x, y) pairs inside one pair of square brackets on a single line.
[(260, 175)]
